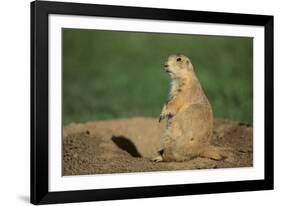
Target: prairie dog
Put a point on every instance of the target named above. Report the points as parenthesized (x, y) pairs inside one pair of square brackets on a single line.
[(188, 114)]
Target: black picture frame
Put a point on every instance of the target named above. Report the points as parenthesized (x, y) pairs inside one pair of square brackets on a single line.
[(39, 102)]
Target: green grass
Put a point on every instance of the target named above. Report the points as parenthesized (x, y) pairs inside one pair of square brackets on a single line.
[(110, 75)]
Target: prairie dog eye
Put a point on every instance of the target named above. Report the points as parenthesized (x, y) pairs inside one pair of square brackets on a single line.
[(178, 59)]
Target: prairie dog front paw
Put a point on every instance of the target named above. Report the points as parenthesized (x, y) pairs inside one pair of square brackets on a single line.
[(165, 113)]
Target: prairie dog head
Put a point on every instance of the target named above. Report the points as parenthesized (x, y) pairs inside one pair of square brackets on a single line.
[(178, 66)]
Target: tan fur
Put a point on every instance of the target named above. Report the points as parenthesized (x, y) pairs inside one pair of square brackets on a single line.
[(188, 114)]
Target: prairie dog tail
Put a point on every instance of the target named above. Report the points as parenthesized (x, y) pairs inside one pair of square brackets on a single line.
[(214, 153)]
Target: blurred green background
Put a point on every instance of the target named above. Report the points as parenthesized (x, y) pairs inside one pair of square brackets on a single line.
[(109, 74)]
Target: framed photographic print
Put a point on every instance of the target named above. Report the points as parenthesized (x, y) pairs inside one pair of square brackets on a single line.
[(131, 102)]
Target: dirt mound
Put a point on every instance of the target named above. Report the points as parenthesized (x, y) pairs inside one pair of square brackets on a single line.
[(127, 145)]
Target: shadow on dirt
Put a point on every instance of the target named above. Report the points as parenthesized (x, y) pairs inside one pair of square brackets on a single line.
[(127, 145)]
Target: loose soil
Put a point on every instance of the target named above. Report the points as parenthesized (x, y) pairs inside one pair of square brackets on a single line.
[(127, 145)]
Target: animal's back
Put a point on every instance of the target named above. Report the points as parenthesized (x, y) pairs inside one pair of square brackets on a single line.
[(196, 123)]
